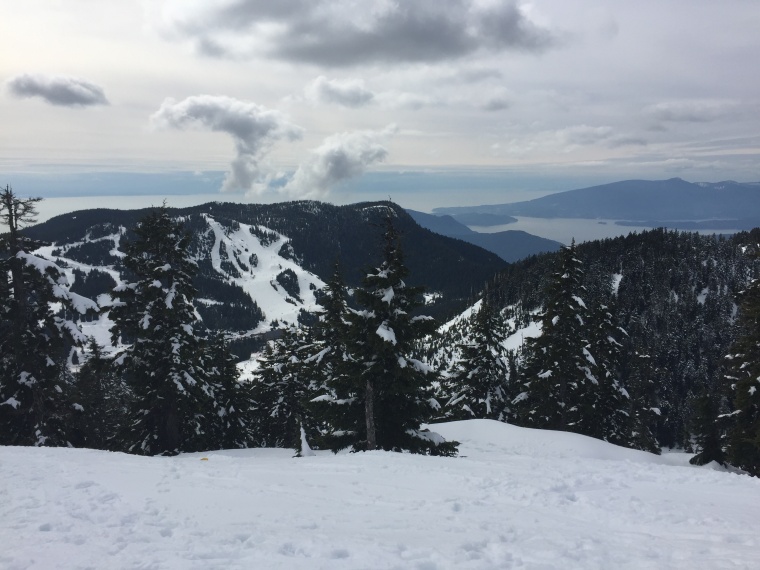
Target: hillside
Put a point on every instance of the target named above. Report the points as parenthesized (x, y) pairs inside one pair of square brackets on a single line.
[(657, 202), (517, 498), (260, 264)]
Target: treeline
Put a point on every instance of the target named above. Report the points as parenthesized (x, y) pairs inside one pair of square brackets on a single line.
[(635, 334), (350, 382)]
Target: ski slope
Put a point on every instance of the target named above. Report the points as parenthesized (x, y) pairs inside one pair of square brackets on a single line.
[(515, 498)]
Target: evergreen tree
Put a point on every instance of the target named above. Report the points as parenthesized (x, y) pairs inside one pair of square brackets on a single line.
[(281, 391), (35, 384), (174, 408), (643, 414), (606, 406), (333, 370), (393, 388), (707, 431), (558, 371), (233, 397), (102, 400), (479, 385), (744, 377)]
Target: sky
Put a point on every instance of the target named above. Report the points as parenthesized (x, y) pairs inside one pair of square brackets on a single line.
[(430, 102)]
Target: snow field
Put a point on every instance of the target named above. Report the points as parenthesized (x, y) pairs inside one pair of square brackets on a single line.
[(516, 498)]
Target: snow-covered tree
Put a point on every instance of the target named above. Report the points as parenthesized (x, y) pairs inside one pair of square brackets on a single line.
[(174, 409), (558, 367), (281, 391), (744, 377), (393, 389), (478, 387), (102, 399), (331, 368), (233, 397), (35, 385)]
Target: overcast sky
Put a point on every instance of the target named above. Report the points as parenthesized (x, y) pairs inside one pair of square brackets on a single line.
[(298, 98)]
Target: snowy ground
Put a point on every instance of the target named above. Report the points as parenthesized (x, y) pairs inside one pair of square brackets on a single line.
[(517, 498)]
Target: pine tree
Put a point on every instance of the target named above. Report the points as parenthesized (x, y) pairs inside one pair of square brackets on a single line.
[(233, 397), (707, 431), (281, 391), (744, 376), (163, 361), (478, 387), (102, 400), (606, 405), (392, 387), (333, 371), (558, 372), (35, 384)]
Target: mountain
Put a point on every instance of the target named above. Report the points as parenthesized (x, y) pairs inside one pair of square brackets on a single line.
[(654, 202), (510, 245), (515, 498), (263, 264)]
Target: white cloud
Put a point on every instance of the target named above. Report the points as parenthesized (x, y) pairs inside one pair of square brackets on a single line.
[(253, 128), (339, 158), (58, 90), (346, 92)]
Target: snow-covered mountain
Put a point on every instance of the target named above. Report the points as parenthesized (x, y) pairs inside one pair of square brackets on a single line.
[(262, 265), (515, 498)]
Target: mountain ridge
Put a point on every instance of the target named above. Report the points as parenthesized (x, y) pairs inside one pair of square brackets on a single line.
[(672, 200)]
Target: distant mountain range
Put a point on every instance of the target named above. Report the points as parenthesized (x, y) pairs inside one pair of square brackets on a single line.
[(510, 245), (674, 203)]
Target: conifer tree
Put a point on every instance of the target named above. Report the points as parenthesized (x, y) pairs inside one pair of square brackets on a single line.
[(707, 431), (233, 397), (392, 387), (479, 385), (163, 360), (333, 370), (744, 376), (103, 399), (36, 400), (558, 372), (281, 391)]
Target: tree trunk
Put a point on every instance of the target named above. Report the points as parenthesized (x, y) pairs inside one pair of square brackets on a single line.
[(369, 412)]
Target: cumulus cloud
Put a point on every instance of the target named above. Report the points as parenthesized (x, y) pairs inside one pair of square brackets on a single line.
[(57, 90), (339, 158), (347, 92), (253, 128), (346, 33), (690, 111)]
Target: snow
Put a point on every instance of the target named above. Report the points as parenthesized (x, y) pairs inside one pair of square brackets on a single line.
[(516, 498), (386, 333)]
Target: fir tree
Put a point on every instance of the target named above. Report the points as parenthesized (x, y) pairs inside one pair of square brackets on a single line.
[(281, 390), (706, 428), (36, 400), (744, 377), (174, 408), (392, 387), (333, 371), (233, 397), (558, 372), (102, 399), (479, 385)]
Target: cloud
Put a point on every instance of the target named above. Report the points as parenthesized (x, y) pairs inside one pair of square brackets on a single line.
[(339, 158), (691, 111), (57, 90), (348, 92), (342, 33), (253, 128)]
